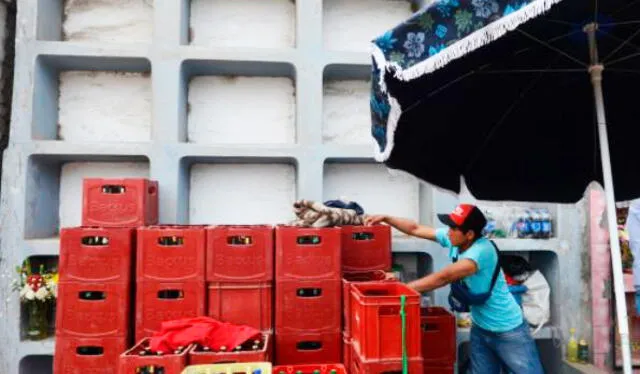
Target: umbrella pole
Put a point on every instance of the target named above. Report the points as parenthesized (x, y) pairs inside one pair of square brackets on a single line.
[(595, 70)]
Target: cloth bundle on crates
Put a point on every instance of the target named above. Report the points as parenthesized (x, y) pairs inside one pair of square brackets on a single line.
[(205, 331), (315, 214)]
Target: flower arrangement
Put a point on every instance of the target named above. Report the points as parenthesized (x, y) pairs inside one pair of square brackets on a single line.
[(40, 286), (38, 290)]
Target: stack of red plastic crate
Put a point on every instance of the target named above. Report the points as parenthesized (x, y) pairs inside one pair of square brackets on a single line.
[(377, 328), (170, 272), (438, 329), (94, 294), (366, 256), (239, 273), (308, 295)]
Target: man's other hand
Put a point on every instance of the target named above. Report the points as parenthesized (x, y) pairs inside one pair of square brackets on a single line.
[(374, 219)]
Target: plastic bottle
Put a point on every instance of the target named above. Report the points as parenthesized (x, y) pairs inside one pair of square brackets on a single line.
[(536, 224), (490, 227), (521, 226), (583, 351), (572, 347), (547, 225)]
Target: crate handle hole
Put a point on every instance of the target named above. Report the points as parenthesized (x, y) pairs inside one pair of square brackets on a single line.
[(240, 240), (429, 327), (362, 236), (170, 294), (309, 292), (90, 350), (147, 368), (376, 293), (309, 346), (92, 295), (113, 189), (309, 240), (94, 241), (152, 190), (171, 241), (363, 277)]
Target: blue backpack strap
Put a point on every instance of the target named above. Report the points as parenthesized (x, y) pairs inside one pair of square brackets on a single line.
[(497, 270)]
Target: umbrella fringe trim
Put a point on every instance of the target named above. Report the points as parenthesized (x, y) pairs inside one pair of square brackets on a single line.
[(458, 49), (475, 40), (392, 122), (395, 108)]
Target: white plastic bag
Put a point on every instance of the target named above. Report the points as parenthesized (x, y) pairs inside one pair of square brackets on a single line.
[(536, 301)]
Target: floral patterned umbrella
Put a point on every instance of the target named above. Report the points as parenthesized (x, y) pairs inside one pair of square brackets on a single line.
[(510, 96)]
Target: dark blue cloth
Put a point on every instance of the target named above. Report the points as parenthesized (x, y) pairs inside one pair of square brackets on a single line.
[(344, 205)]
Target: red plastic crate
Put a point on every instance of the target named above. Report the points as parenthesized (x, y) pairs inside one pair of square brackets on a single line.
[(242, 303), (292, 349), (308, 306), (159, 302), (366, 248), (353, 277), (93, 254), (308, 253), (438, 328), (438, 369), (119, 202), (362, 366), (88, 355), (347, 349), (240, 253), (93, 310), (172, 363), (376, 324), (264, 354), (310, 369), (171, 253)]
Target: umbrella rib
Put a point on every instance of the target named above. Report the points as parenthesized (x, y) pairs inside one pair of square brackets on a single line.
[(558, 21), (619, 39), (627, 41), (554, 39), (437, 90), (480, 69), (618, 24), (561, 52), (625, 7), (525, 71), (506, 114), (624, 58), (624, 71)]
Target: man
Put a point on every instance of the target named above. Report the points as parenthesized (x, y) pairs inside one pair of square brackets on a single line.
[(500, 336)]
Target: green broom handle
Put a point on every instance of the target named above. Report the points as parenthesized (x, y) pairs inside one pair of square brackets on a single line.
[(403, 317)]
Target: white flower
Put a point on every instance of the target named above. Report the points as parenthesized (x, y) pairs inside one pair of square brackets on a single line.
[(42, 293), (30, 295), (24, 290)]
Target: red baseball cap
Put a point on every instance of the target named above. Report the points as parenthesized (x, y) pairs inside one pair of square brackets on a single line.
[(464, 216)]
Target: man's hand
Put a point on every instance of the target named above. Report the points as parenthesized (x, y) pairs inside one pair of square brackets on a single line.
[(374, 219), (404, 225)]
